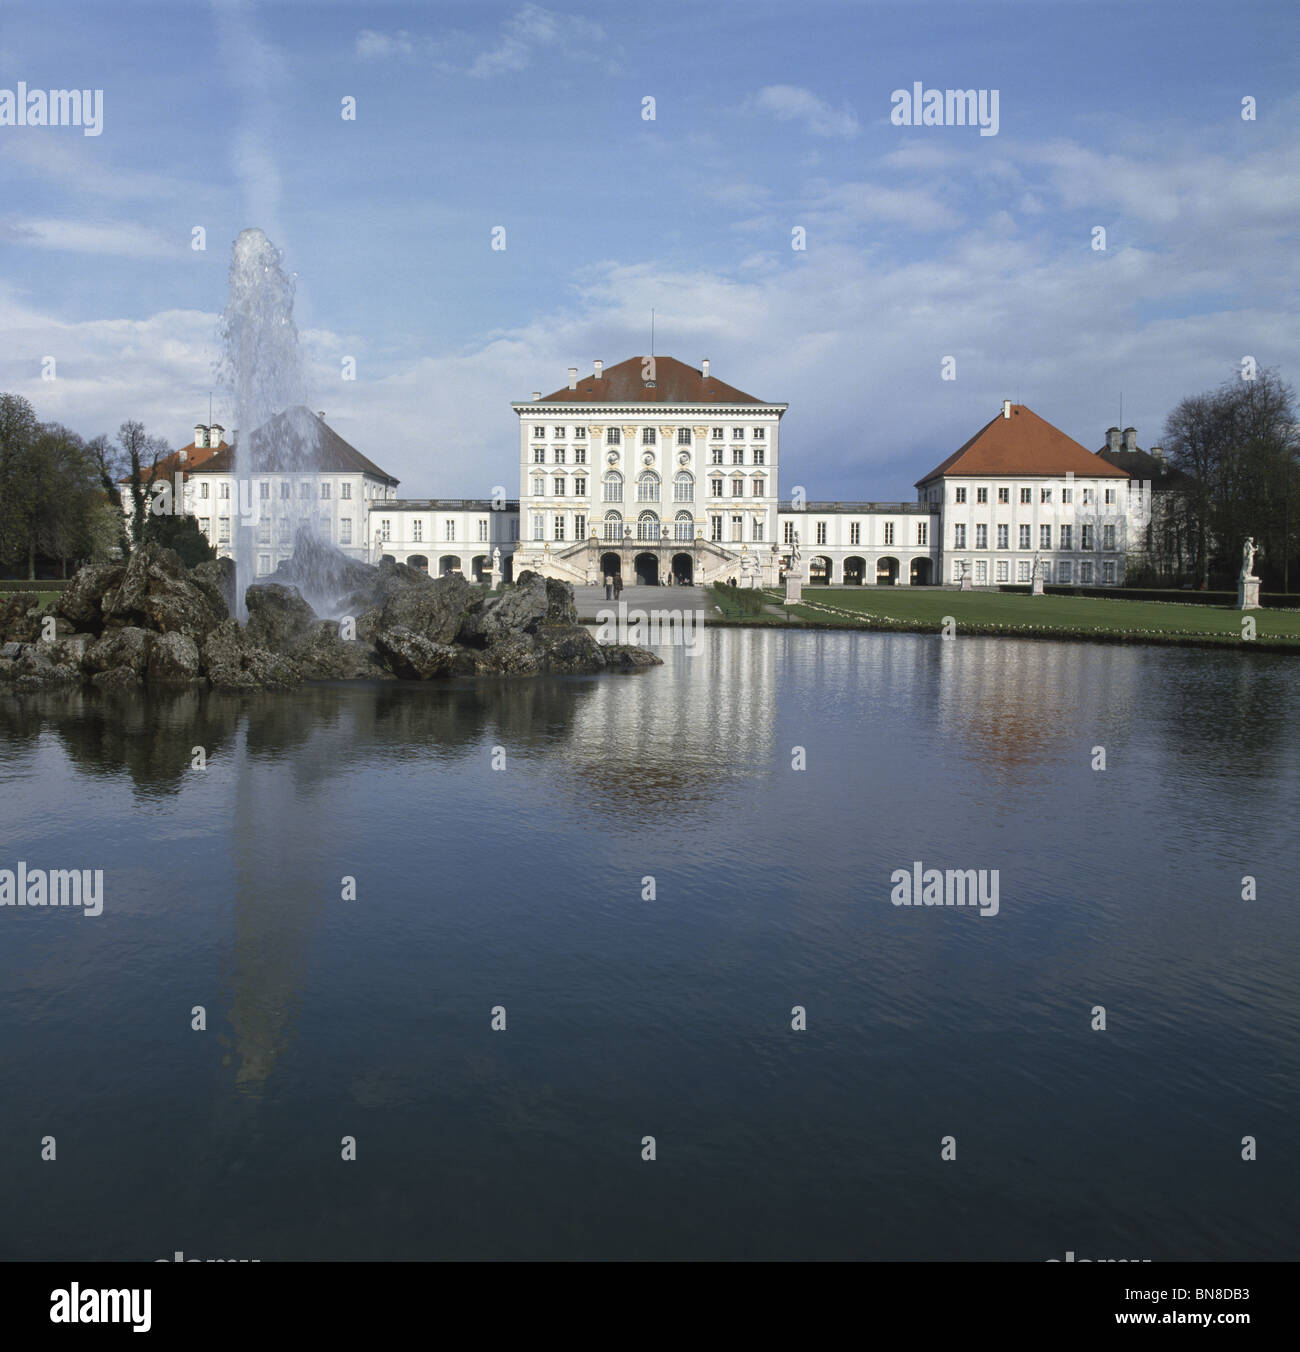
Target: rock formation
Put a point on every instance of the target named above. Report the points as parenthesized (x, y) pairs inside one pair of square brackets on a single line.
[(151, 621)]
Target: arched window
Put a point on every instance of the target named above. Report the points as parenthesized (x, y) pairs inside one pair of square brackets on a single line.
[(613, 483), (647, 526), (684, 487), (647, 487), (613, 525), (683, 526)]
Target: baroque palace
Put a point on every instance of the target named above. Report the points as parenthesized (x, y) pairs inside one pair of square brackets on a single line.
[(654, 468)]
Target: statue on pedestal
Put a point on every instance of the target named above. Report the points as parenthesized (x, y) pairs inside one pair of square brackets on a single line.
[(1248, 552), (1247, 582)]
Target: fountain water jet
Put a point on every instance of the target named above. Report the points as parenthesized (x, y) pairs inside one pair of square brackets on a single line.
[(262, 371)]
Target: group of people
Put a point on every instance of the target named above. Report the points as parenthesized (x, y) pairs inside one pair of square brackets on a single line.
[(614, 584)]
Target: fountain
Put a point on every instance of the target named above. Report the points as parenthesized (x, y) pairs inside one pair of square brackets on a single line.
[(261, 371)]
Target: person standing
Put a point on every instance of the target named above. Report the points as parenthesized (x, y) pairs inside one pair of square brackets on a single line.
[(609, 588), (618, 585)]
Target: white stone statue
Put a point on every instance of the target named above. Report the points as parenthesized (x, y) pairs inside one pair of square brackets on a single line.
[(1248, 552)]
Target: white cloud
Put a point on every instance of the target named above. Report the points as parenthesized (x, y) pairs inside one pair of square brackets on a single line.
[(374, 46), (530, 30), (113, 238), (790, 103)]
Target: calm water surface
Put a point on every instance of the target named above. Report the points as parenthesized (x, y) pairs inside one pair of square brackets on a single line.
[(523, 887)]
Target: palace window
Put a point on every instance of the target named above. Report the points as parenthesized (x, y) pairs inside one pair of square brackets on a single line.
[(981, 495), (345, 530), (758, 530), (579, 434), (613, 487), (417, 530), (957, 570), (738, 488), (647, 436), (1044, 537), (1004, 495), (1067, 496), (959, 495), (613, 526), (1045, 495), (205, 525), (1067, 537), (683, 526), (1004, 541), (683, 436), (224, 495), (737, 434), (203, 489), (647, 526), (756, 488), (981, 537), (1026, 495), (559, 526), (324, 492), (1003, 573), (647, 487), (737, 529), (1085, 539), (715, 457), (889, 533), (385, 529), (539, 526), (1064, 572), (821, 532), (558, 485), (715, 488), (1022, 571), (922, 532), (787, 535), (1110, 497), (539, 486), (263, 564), (959, 536), (539, 431), (263, 490), (304, 490), (760, 433), (580, 486), (449, 530), (579, 455), (559, 455), (1108, 572), (716, 434), (579, 526), (345, 491), (1024, 537), (715, 528), (557, 434), (1089, 498), (264, 531), (1085, 574), (981, 572), (613, 436), (1108, 537), (760, 455), (855, 533), (683, 488), (285, 531)]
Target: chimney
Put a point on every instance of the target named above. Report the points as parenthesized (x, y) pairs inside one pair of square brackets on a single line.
[(537, 394), (1112, 438), (573, 377), (1006, 408), (320, 413), (1130, 439), (704, 368), (183, 456), (200, 435), (214, 434), (600, 367), (1158, 454)]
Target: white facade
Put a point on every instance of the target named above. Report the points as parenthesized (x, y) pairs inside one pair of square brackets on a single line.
[(473, 537), (995, 526)]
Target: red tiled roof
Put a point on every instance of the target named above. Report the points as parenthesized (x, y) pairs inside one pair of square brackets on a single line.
[(1024, 444), (287, 435), (172, 464), (674, 383)]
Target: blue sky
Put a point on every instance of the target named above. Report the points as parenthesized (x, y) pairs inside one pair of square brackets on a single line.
[(922, 242)]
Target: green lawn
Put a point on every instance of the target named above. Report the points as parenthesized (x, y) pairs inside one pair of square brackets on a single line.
[(1010, 613)]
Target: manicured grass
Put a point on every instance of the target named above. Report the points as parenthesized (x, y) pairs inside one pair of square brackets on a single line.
[(1064, 616)]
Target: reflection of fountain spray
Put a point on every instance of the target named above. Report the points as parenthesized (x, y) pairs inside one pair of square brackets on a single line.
[(262, 370)]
